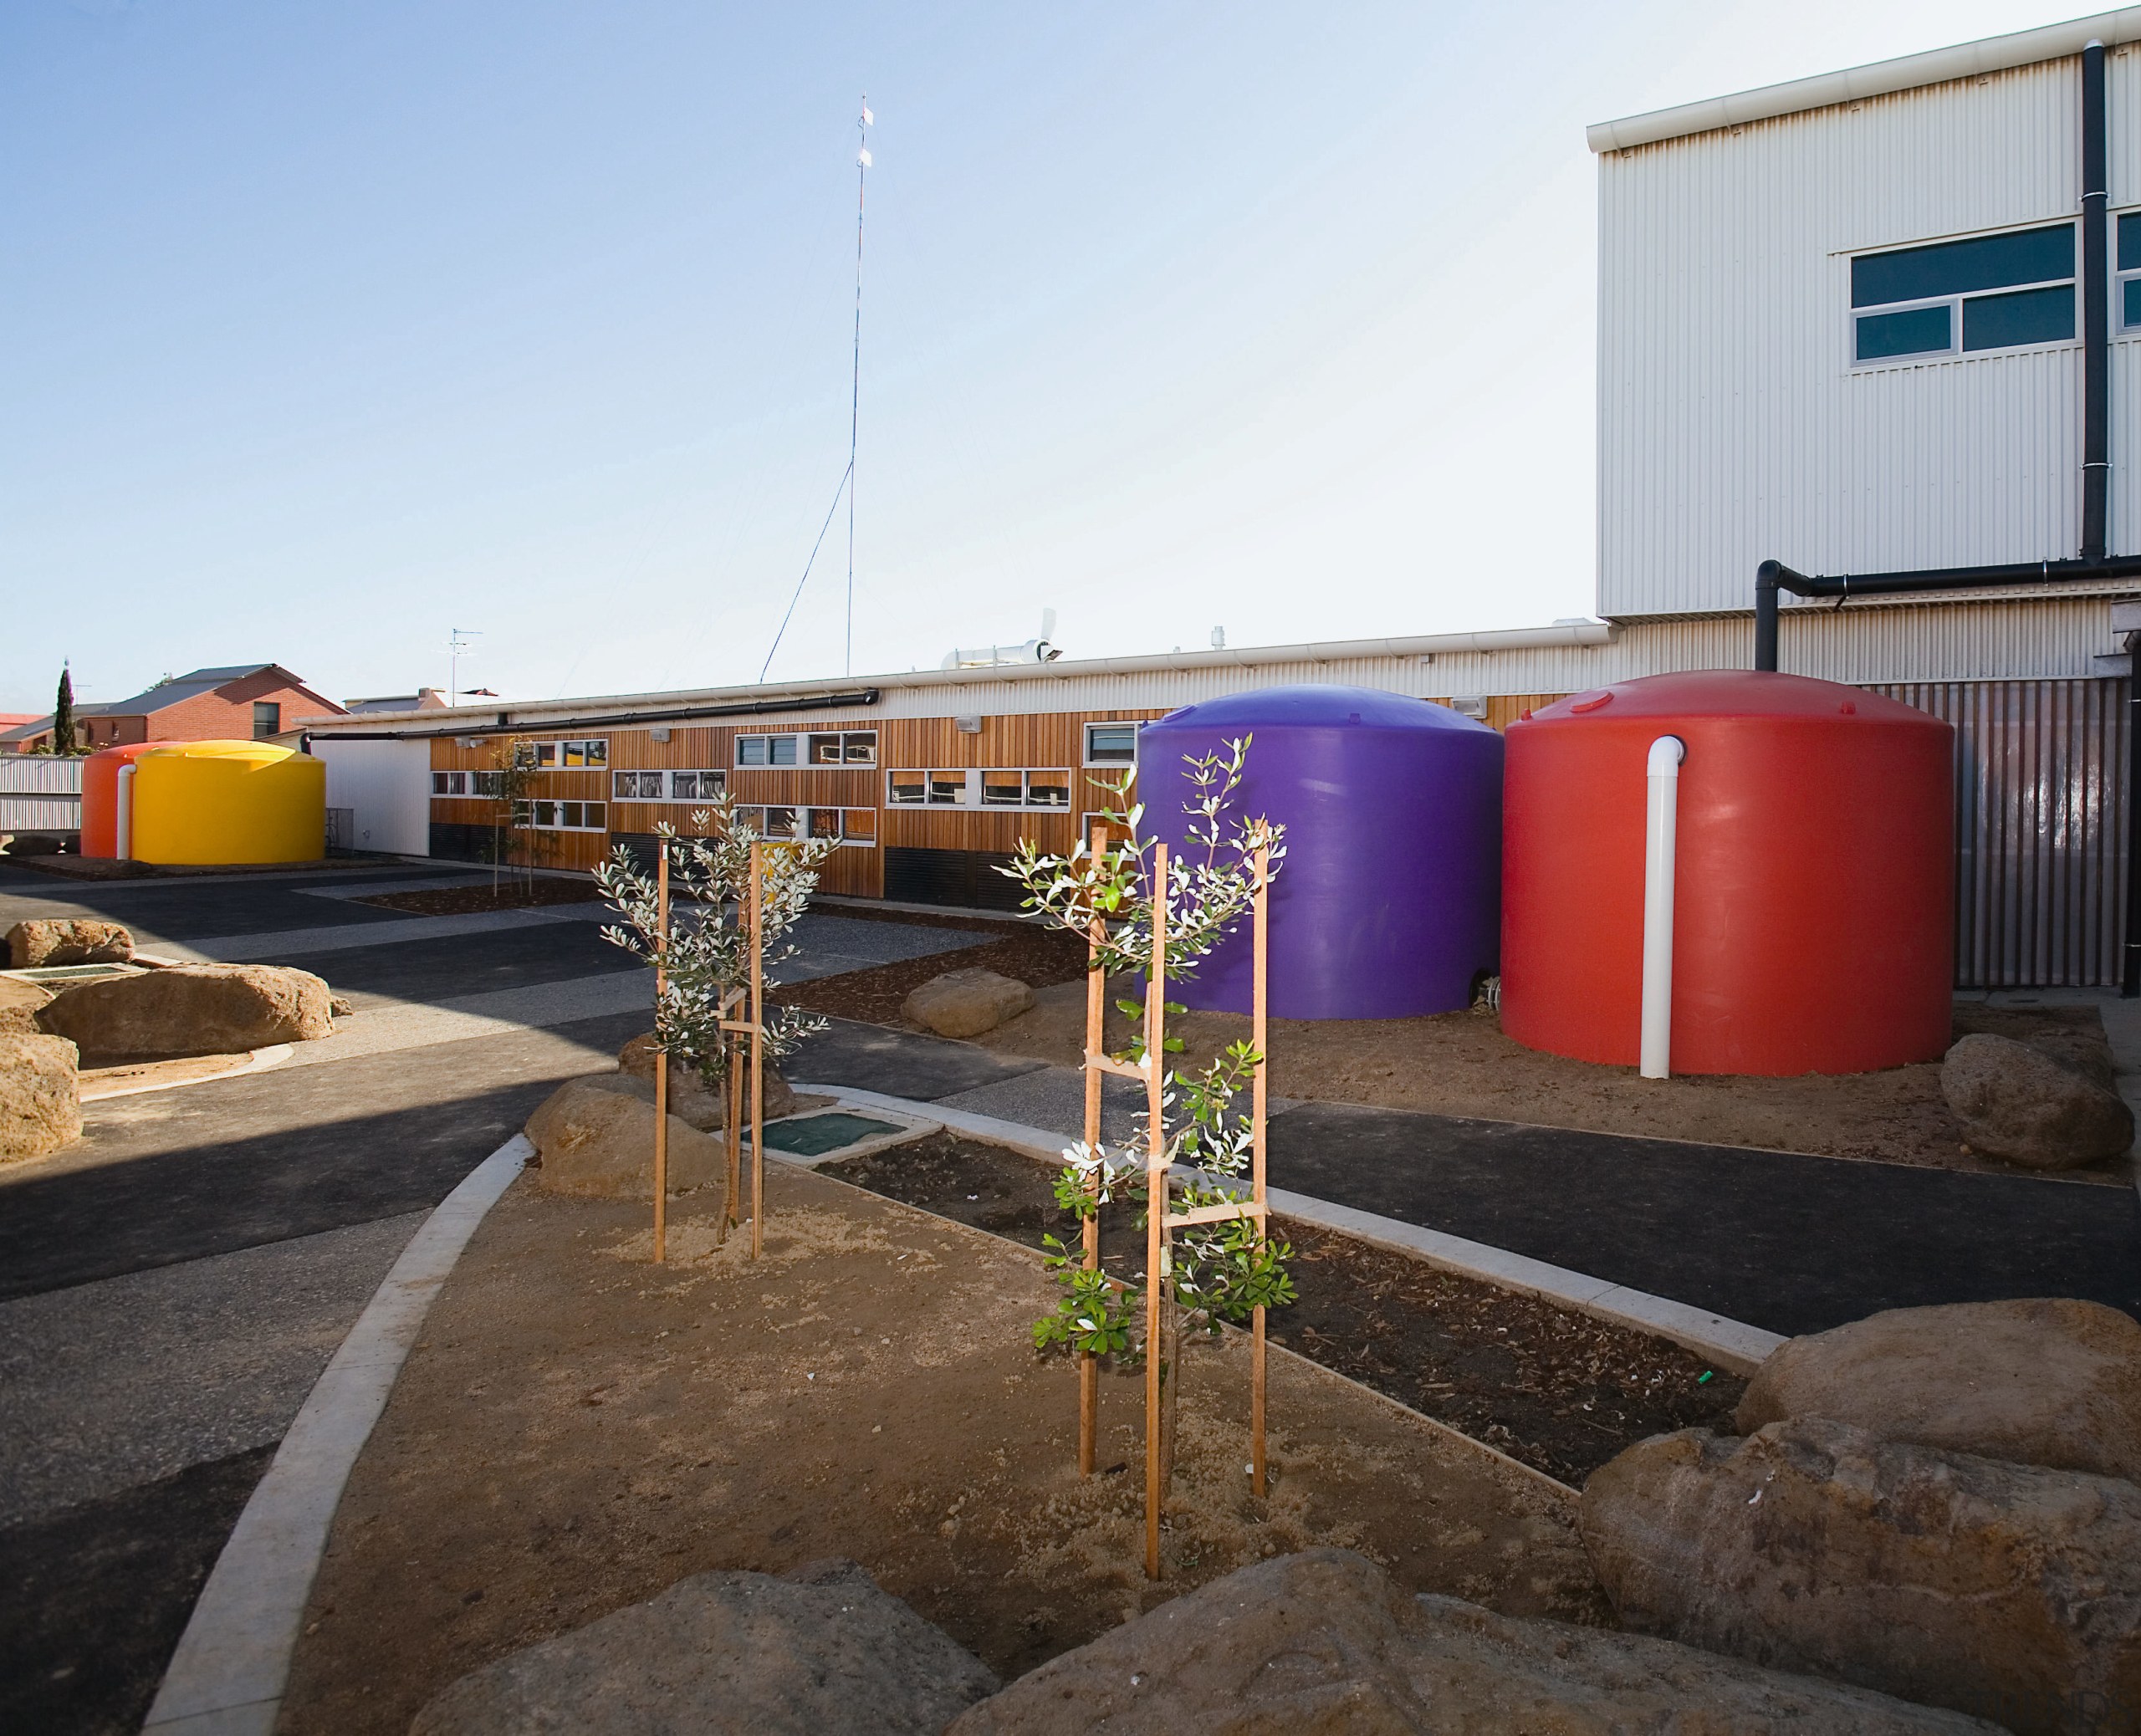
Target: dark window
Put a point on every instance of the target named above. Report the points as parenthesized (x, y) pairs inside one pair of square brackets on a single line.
[(2031, 316), (2132, 291), (1955, 268), (2129, 242), (1110, 744), (267, 719), (1919, 331)]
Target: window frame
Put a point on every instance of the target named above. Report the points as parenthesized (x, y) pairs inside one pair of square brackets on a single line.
[(973, 786), (2121, 276), (806, 816), (273, 719), (442, 782), (1956, 303), (804, 742), (549, 753), (1087, 762), (529, 812)]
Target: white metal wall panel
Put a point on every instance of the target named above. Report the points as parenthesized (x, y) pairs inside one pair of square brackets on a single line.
[(40, 793), (388, 787), (1732, 426)]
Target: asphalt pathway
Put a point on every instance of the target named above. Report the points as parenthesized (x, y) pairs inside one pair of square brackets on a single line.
[(1788, 1243), (172, 1285)]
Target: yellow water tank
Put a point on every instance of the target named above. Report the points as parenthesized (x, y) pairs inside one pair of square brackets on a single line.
[(197, 802)]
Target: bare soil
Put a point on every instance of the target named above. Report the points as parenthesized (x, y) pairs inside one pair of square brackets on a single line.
[(579, 1429), (1553, 1388), (1460, 1064), (510, 894), (1033, 955)]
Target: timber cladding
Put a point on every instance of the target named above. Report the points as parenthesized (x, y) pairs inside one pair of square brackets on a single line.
[(1036, 742)]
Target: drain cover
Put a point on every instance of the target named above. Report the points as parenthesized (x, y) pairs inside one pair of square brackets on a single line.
[(814, 1135)]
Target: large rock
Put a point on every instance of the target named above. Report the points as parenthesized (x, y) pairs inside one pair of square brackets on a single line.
[(691, 1099), (819, 1652), (37, 844), (2049, 1381), (20, 1003), (1326, 1642), (2018, 1103), (39, 1110), (596, 1136), (193, 1009), (40, 942), (965, 1003), (1998, 1589)]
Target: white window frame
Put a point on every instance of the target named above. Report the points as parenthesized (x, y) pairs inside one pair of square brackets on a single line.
[(799, 749), (1026, 774), (636, 773), (528, 812), (752, 814), (551, 754), (1953, 303), (1137, 728), (720, 779), (2119, 279), (666, 788), (444, 783)]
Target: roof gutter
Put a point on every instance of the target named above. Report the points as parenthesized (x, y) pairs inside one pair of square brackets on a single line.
[(504, 725), (722, 701), (1972, 60)]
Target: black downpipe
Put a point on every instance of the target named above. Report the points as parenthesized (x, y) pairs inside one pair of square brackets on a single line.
[(2096, 313), (2095, 561)]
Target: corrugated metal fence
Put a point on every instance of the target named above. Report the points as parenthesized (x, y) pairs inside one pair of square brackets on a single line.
[(39, 794), (2041, 827)]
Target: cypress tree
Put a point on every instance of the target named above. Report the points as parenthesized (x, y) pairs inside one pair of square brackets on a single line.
[(63, 714)]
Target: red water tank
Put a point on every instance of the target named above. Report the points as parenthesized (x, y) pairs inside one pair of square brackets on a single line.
[(100, 795), (1814, 894)]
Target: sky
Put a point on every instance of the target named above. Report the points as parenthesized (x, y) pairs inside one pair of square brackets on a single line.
[(326, 329)]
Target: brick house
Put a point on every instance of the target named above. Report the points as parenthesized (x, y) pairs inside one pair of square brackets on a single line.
[(245, 702)]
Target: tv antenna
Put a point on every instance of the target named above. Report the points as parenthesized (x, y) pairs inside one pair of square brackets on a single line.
[(863, 122), (458, 647)]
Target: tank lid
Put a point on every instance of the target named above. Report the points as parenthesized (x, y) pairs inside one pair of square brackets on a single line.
[(1727, 693), (1317, 706), (262, 752)]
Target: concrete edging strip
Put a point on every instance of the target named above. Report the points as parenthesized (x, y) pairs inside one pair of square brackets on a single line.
[(227, 1675), (1734, 1345)]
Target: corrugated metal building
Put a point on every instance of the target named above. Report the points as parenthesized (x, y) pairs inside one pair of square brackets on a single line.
[(1845, 324)]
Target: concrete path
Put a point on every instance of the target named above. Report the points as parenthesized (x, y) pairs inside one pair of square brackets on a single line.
[(173, 1285)]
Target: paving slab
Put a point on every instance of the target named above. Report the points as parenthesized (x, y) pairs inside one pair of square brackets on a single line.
[(1789, 1243)]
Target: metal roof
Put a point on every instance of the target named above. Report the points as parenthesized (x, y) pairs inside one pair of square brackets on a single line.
[(1969, 59)]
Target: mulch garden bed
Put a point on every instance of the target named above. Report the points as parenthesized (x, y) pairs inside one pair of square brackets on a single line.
[(1036, 956), (1555, 1389), (507, 895)]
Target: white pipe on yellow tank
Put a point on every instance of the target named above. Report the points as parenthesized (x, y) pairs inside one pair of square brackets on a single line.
[(1660, 840)]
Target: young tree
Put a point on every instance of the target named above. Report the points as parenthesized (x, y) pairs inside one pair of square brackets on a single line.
[(509, 783), (707, 954), (63, 714), (1223, 1271)]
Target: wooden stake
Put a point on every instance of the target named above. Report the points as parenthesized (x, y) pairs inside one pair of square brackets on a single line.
[(660, 1060), (1089, 1368), (1157, 1274), (1258, 1035), (732, 1084), (758, 1046)]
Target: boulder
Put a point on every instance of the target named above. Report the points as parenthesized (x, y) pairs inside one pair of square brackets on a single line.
[(39, 1111), (821, 1652), (965, 1003), (1997, 1589), (34, 944), (2052, 1381), (37, 844), (691, 1099), (2018, 1103), (1326, 1641), (596, 1136), (193, 1009), (20, 1003)]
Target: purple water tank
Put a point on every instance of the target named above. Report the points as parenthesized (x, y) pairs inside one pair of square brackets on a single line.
[(1389, 904)]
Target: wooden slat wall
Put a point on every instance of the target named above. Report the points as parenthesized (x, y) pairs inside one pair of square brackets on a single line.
[(1040, 741)]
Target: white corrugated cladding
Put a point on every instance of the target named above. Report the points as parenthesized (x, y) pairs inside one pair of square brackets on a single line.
[(1732, 425)]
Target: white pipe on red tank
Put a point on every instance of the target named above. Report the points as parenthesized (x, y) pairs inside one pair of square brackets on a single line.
[(1660, 829), (123, 818)]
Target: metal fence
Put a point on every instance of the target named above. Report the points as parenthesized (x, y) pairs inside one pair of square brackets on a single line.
[(2040, 785), (40, 794)]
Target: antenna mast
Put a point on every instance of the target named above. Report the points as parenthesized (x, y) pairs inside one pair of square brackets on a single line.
[(855, 392)]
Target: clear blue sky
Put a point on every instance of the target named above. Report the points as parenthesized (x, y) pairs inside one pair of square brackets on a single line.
[(330, 327)]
